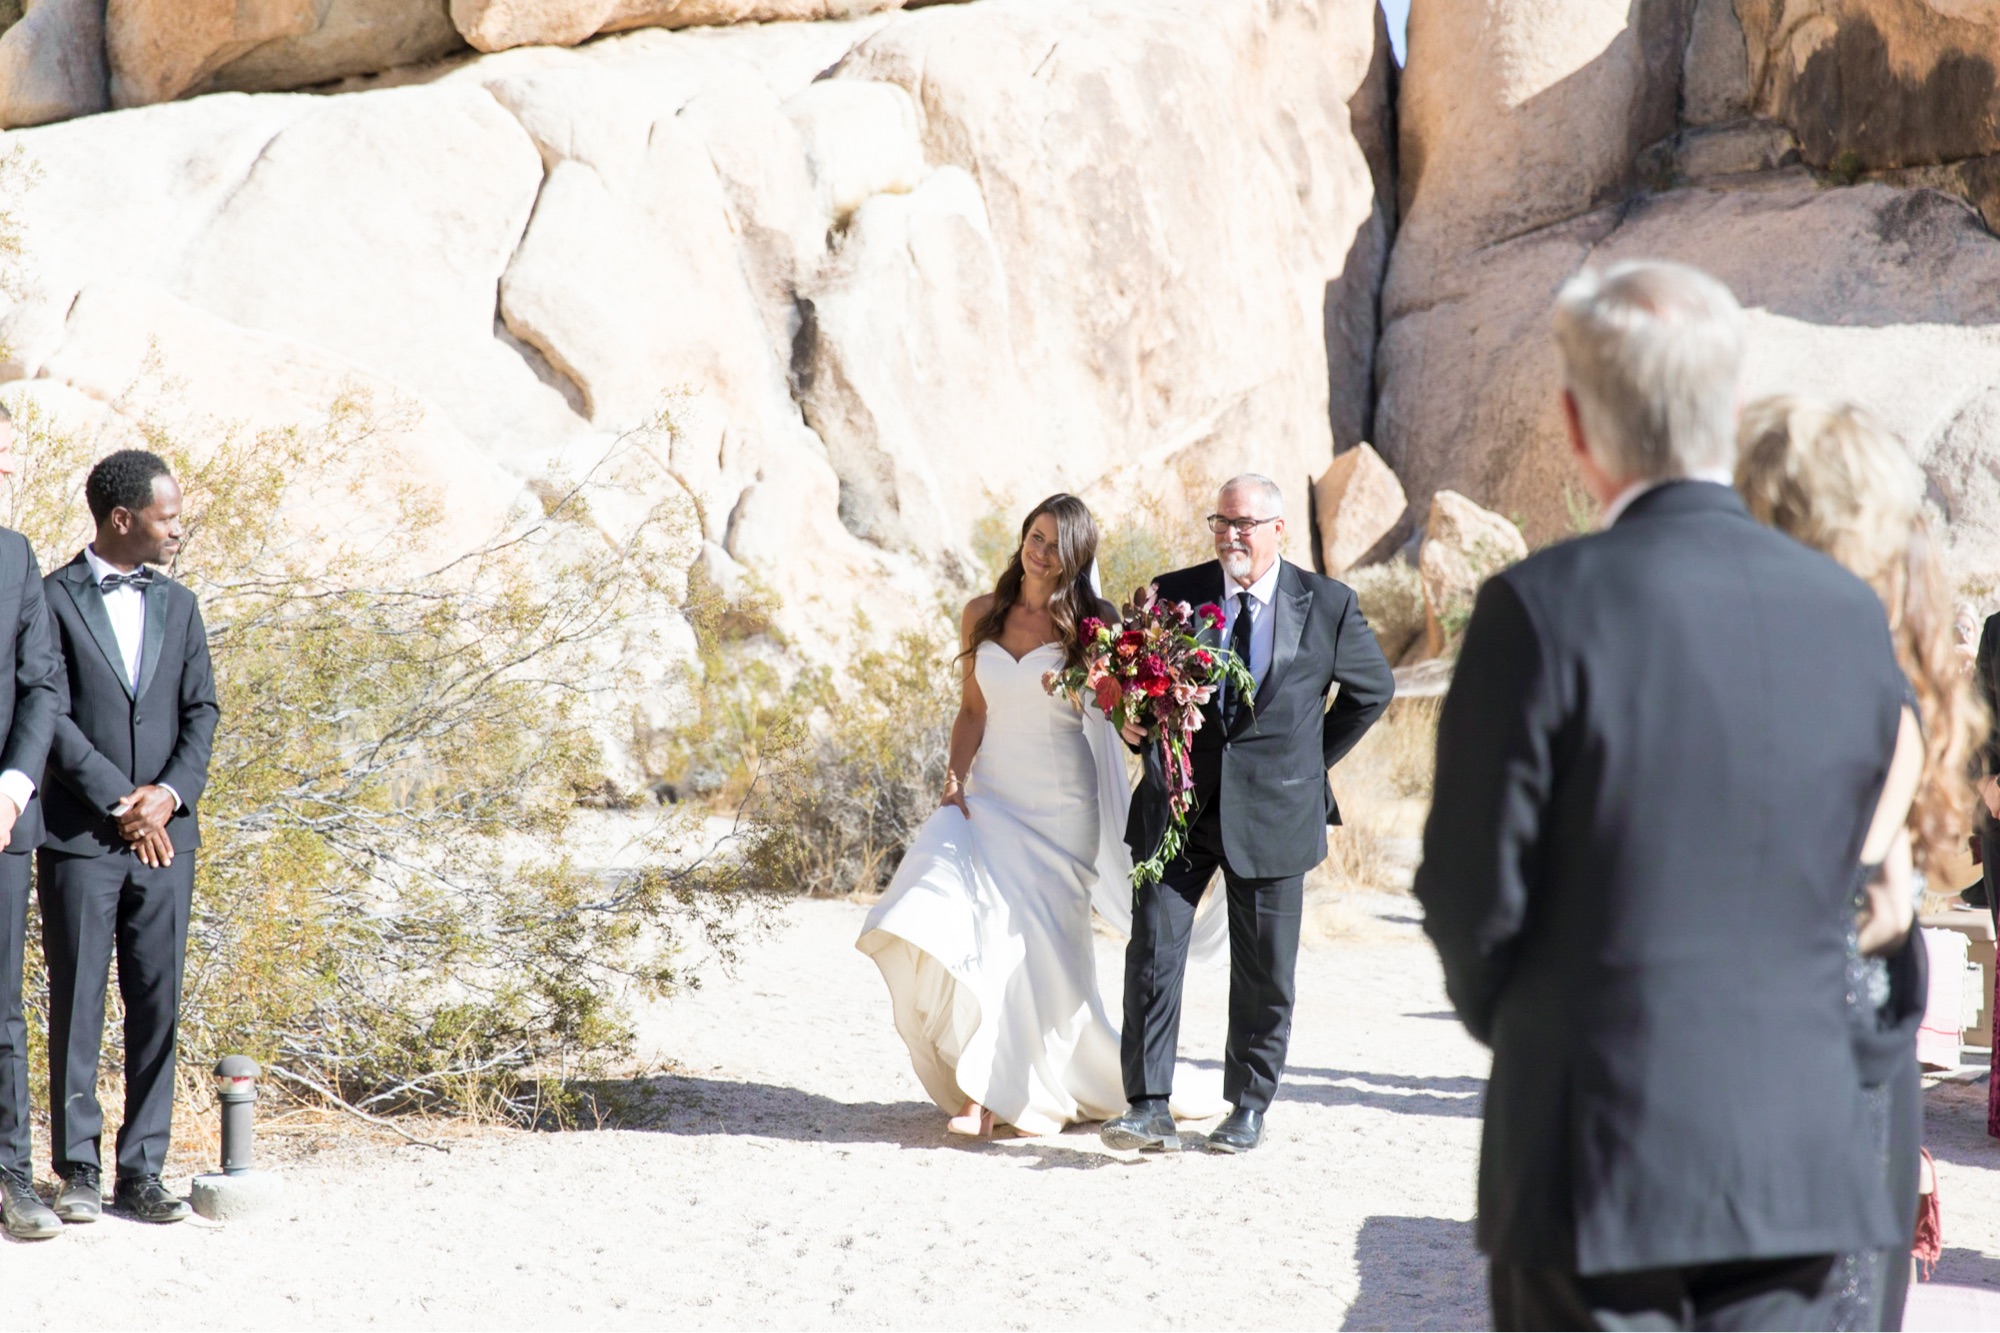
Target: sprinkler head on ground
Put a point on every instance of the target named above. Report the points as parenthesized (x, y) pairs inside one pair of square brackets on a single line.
[(239, 1189)]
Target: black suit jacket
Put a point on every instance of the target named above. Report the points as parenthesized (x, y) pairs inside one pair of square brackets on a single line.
[(111, 738), (1656, 766), (1988, 676), (1270, 773), (30, 694)]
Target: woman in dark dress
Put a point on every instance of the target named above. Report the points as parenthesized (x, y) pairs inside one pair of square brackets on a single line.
[(1836, 479)]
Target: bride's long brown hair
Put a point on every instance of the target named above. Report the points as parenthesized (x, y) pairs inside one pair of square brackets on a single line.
[(1076, 547)]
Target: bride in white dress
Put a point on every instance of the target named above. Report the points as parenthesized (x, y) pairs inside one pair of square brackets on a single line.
[(984, 935)]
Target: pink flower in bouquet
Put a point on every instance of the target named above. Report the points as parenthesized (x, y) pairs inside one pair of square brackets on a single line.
[(1183, 613), (1109, 693), (1091, 628), (1049, 679), (1211, 615), (1153, 676)]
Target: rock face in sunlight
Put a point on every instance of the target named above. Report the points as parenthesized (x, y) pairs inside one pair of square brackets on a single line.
[(1464, 545), (495, 25), (1831, 160), (886, 274)]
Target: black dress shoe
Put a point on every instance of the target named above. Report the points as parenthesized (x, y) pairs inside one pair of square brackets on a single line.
[(22, 1211), (81, 1198), (1240, 1131), (145, 1198), (1147, 1127)]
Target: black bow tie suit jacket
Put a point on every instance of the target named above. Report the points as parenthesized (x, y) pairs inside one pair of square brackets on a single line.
[(112, 737)]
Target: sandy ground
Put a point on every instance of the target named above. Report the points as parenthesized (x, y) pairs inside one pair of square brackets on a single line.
[(789, 1174)]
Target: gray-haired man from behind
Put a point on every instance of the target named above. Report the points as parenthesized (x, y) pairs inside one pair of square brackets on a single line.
[(1660, 768)]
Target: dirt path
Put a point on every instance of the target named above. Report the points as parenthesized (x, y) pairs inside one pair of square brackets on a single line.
[(792, 1175)]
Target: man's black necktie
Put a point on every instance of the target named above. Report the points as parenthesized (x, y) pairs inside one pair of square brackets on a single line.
[(140, 578), (1239, 643)]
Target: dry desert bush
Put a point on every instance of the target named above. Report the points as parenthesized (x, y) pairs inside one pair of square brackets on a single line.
[(1392, 599), (388, 912)]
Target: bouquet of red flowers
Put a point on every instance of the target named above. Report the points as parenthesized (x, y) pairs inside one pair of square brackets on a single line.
[(1155, 671)]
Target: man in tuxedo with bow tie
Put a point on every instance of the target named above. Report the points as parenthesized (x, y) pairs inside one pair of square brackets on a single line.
[(126, 770), (1262, 805)]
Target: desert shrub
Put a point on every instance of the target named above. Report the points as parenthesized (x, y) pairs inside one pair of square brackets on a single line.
[(1153, 537), (1398, 756), (396, 904), (858, 774), (1392, 600)]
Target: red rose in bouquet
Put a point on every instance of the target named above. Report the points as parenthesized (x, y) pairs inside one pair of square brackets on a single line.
[(1153, 670)]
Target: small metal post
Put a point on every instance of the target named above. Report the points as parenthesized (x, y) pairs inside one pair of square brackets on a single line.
[(236, 1089)]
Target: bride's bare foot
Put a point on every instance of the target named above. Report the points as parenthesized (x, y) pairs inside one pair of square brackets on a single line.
[(975, 1122)]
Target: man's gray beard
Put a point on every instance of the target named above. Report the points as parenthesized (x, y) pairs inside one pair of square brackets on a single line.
[(1237, 564)]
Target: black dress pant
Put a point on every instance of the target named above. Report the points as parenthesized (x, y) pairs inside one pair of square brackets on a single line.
[(95, 907), (16, 1152), (1801, 1293), (1263, 956)]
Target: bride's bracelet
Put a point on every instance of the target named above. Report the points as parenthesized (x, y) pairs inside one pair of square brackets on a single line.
[(951, 782)]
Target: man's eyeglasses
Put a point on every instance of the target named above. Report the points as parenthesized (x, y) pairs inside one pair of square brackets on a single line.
[(1243, 527)]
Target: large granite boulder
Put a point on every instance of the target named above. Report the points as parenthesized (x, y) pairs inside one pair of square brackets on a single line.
[(1358, 507), (349, 37), (163, 49), (1464, 545), (52, 64), (1876, 83), (1888, 297), (1554, 140), (869, 279), (495, 25), (158, 49), (1176, 194)]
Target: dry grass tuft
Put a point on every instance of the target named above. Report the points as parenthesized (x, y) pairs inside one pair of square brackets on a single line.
[(1392, 599)]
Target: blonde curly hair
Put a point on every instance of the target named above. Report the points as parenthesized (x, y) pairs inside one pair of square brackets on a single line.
[(1838, 480)]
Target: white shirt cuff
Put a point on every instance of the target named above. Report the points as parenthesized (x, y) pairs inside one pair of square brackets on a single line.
[(179, 804), (17, 787)]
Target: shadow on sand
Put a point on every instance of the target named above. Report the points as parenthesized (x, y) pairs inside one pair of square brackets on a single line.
[(1418, 1273), (693, 1106)]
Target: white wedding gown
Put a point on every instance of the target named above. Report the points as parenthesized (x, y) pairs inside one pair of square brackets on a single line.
[(984, 935)]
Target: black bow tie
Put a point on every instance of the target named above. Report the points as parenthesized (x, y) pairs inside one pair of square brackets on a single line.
[(140, 578)]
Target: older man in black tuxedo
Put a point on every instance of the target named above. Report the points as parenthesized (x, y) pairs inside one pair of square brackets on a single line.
[(1262, 807), (126, 772), (30, 698), (1660, 769)]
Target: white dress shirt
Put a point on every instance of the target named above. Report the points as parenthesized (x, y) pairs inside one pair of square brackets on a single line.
[(127, 608), (1263, 626), (1623, 500)]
